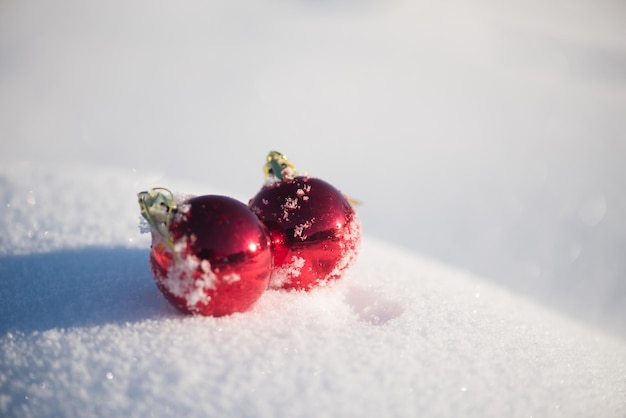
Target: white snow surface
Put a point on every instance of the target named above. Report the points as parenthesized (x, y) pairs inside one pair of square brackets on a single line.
[(85, 332), (485, 140)]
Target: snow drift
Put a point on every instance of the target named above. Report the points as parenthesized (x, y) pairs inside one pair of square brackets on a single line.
[(86, 332)]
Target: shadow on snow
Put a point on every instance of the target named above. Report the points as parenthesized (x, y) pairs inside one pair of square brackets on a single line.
[(82, 287)]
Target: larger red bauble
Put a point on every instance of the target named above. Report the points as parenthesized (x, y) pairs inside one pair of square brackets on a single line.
[(315, 232), (218, 259)]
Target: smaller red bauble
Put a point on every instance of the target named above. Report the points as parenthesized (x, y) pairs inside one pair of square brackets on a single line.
[(314, 230), (210, 255)]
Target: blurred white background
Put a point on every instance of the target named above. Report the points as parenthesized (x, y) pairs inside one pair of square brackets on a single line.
[(489, 135)]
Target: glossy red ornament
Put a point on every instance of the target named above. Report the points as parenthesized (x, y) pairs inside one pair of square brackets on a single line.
[(315, 231), (210, 255)]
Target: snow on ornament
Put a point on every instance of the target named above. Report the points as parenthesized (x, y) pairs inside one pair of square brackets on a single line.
[(315, 231), (209, 255)]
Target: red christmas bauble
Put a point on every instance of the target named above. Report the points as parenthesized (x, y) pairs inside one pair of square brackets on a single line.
[(210, 256), (314, 230)]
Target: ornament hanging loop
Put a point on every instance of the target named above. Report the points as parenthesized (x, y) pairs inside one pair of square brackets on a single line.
[(278, 167), (157, 207)]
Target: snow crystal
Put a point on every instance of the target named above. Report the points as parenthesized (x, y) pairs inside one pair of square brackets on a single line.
[(286, 272), (205, 265), (231, 278), (188, 277), (291, 203), (298, 231)]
